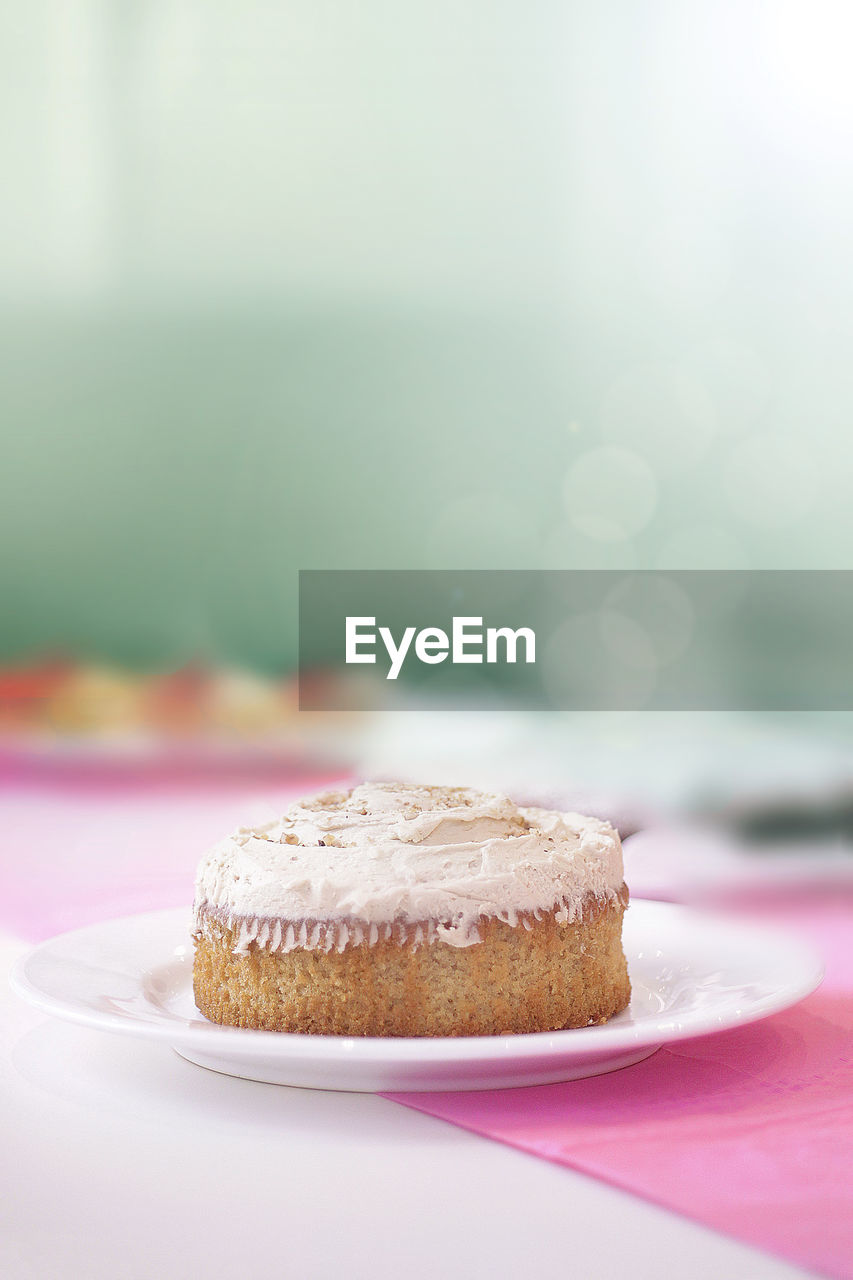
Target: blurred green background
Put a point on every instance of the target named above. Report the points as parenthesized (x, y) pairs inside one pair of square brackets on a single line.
[(411, 285)]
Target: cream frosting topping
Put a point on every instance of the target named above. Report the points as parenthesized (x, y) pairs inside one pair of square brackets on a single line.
[(417, 863)]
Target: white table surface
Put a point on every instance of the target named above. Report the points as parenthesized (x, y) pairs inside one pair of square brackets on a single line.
[(121, 1160)]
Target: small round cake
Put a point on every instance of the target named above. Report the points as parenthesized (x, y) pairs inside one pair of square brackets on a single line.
[(398, 910)]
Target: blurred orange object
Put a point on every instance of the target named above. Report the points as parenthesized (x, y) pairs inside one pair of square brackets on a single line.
[(26, 690), (95, 699)]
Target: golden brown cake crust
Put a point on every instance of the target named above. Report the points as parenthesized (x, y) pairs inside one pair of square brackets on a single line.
[(545, 978)]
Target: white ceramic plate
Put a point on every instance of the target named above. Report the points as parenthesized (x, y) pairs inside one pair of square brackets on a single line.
[(691, 974)]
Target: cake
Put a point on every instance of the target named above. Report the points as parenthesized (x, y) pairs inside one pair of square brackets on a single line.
[(399, 910)]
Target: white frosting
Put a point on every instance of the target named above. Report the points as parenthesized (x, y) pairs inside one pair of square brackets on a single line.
[(414, 863)]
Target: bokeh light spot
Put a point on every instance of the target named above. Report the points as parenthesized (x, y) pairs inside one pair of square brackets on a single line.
[(610, 494), (771, 481)]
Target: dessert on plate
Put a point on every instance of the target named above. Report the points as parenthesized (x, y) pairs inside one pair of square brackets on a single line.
[(400, 910)]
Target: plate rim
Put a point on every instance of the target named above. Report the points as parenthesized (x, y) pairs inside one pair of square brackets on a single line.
[(576, 1043)]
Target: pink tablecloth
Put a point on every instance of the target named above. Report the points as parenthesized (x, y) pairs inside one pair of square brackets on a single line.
[(749, 1131)]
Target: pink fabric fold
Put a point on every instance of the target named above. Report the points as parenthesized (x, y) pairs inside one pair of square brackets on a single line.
[(749, 1131)]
